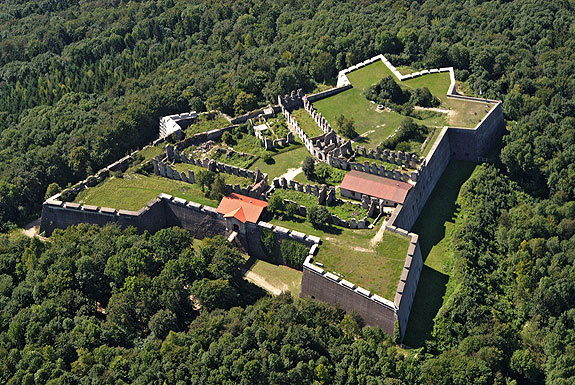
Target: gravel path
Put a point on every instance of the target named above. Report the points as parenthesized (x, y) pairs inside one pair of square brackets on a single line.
[(291, 173)]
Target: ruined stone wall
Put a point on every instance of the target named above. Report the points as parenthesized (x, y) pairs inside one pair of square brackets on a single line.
[(203, 137), (270, 144), (252, 114)]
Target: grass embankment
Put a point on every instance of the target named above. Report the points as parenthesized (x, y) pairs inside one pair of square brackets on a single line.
[(230, 179), (436, 226), (134, 191), (205, 124), (275, 278), (349, 252), (344, 210)]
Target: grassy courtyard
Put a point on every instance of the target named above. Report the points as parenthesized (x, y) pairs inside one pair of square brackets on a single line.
[(282, 161), (134, 191), (374, 126), (306, 123), (376, 267), (436, 225)]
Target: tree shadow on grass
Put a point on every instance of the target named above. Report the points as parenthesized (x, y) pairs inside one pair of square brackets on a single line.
[(427, 302)]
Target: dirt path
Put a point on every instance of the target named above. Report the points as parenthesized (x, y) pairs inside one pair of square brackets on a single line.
[(31, 229), (441, 110), (379, 235), (261, 282), (291, 173)]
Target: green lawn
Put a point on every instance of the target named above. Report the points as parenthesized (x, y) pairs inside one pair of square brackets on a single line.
[(151, 152), (306, 123), (282, 161), (436, 225), (437, 83), (372, 125), (463, 113), (375, 268), (203, 124), (134, 191), (368, 75), (280, 277), (230, 179), (349, 252)]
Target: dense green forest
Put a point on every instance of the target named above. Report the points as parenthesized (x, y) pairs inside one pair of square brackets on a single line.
[(83, 82)]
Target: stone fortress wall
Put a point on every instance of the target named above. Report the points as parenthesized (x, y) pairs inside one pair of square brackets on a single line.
[(162, 212), (452, 143), (374, 309)]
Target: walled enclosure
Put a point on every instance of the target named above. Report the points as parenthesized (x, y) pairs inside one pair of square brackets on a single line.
[(452, 143), (201, 221)]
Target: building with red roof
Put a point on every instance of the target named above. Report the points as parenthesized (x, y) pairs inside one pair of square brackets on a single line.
[(356, 184), (239, 209)]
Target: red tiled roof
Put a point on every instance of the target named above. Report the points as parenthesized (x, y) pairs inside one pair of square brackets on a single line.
[(376, 186), (241, 207)]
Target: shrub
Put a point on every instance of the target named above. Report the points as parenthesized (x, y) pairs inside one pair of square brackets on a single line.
[(308, 167), (328, 174), (345, 127), (294, 253), (292, 209), (205, 178), (423, 97), (275, 204), (408, 130), (268, 240), (388, 90), (318, 216), (227, 138), (218, 189), (268, 158)]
